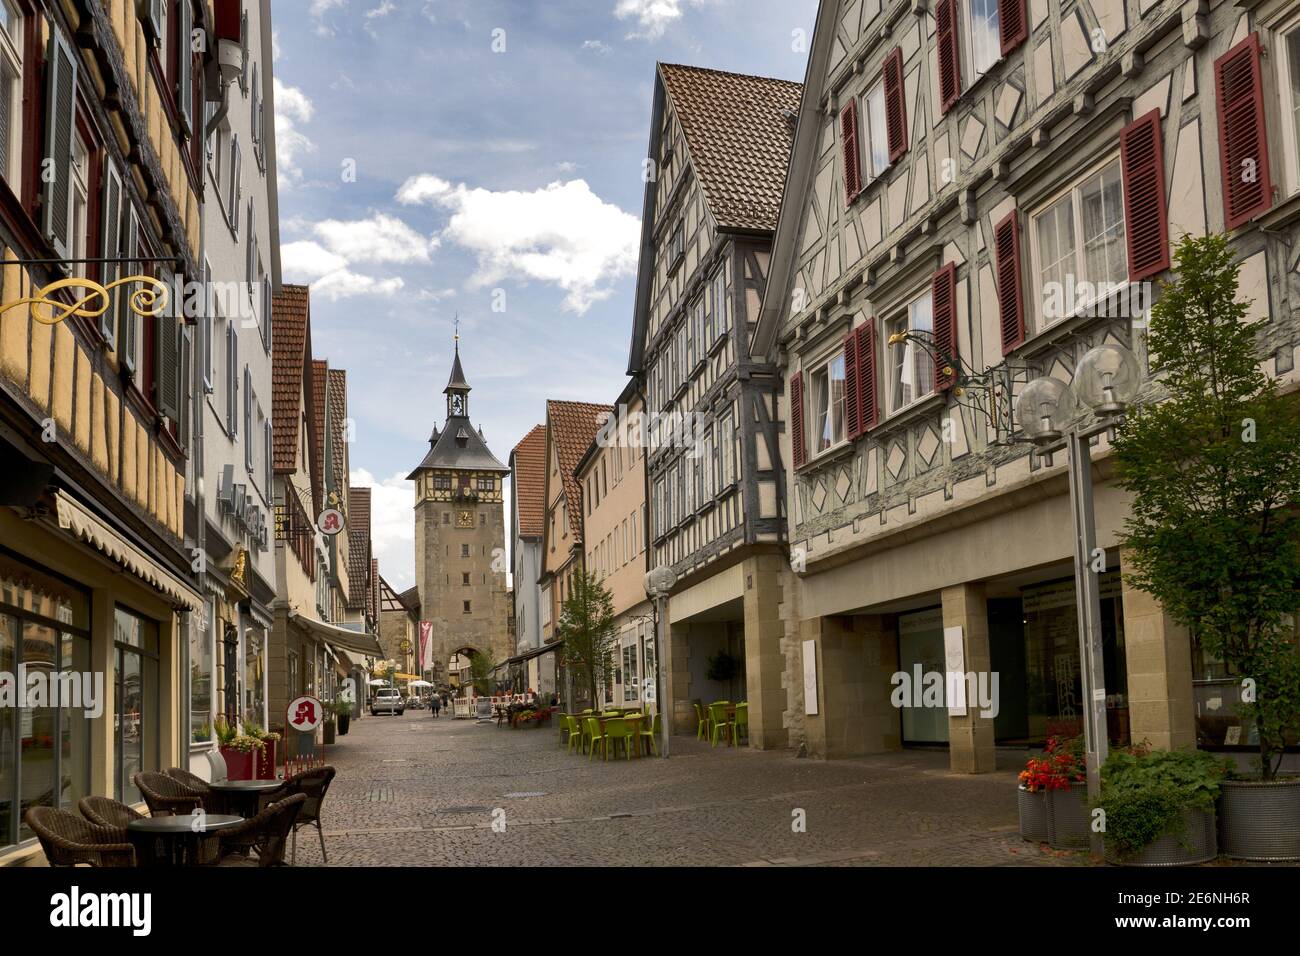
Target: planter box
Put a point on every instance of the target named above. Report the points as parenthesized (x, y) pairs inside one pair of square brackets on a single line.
[(239, 765), (1067, 817), (1033, 815), (1197, 844), (1259, 820), (266, 761)]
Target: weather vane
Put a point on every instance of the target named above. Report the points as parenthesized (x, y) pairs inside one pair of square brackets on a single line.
[(456, 322)]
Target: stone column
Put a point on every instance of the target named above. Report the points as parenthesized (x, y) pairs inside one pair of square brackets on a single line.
[(678, 661), (856, 656), (970, 738), (1159, 663), (764, 659)]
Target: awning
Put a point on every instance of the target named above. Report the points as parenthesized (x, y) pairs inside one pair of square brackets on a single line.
[(88, 527), (535, 652), (359, 641)]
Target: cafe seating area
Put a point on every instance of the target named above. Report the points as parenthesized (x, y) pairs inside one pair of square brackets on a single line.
[(191, 822), (629, 732)]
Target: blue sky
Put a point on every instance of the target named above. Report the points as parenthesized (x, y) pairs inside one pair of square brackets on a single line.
[(481, 157)]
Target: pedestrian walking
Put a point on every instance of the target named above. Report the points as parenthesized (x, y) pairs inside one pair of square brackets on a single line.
[(436, 704)]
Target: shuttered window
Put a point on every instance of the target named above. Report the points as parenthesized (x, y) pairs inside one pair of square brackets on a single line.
[(852, 387), (1147, 225), (1013, 24), (128, 323), (110, 245), (945, 18), (1011, 302), (12, 36), (235, 188), (852, 151), (232, 380), (185, 66), (60, 127), (895, 104), (267, 462), (943, 295), (860, 380), (797, 438), (167, 357), (1243, 145), (248, 420)]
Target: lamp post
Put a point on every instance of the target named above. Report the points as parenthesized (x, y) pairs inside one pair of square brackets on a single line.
[(1106, 381), (658, 584)]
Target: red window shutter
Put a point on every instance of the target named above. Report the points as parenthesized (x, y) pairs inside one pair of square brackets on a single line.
[(852, 154), (1013, 24), (943, 297), (895, 104), (945, 18), (852, 386), (1011, 302), (796, 420), (1243, 145), (1142, 161), (866, 349)]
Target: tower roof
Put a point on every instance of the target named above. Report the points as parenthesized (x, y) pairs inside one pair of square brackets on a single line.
[(459, 445), (457, 381)]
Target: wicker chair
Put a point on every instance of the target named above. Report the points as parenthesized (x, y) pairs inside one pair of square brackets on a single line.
[(264, 834), (166, 796), (191, 780), (68, 840), (313, 784), (103, 812)]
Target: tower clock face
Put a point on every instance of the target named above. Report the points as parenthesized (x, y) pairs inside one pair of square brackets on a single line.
[(458, 404), (465, 519)]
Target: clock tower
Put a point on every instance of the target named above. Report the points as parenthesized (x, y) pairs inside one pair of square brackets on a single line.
[(460, 557)]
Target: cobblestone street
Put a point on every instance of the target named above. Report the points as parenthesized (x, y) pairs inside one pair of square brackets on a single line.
[(413, 790)]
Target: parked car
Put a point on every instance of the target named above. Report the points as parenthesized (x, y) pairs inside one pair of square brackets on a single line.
[(387, 700)]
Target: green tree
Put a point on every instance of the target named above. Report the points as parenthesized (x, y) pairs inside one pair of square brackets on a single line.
[(481, 667), (588, 630), (1214, 470)]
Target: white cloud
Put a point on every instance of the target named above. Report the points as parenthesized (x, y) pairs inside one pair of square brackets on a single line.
[(435, 295), (653, 16), (308, 260), (383, 10), (292, 107), (597, 46), (567, 167), (380, 238), (392, 525), (318, 9), (346, 284), (563, 234)]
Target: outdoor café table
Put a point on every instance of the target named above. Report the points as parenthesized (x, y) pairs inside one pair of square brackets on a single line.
[(634, 719), (244, 796), (174, 836)]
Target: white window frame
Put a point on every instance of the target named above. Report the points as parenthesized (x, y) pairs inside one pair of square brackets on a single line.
[(873, 136), (1073, 189), (79, 206), (977, 67), (11, 50), (815, 420), (1286, 73), (910, 352)]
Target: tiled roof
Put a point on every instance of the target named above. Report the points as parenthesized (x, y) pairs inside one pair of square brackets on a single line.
[(289, 346), (459, 446), (528, 482), (572, 427), (320, 374), (372, 610), (739, 136), (358, 546), (411, 598), (338, 399)]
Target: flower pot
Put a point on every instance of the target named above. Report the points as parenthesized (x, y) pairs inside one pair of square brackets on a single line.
[(1067, 816), (345, 721), (329, 731), (1260, 820), (266, 761), (240, 764), (1198, 843), (1033, 814)]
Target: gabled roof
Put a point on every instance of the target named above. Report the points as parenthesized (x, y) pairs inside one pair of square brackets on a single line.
[(411, 598), (320, 374), (338, 408), (571, 427), (358, 546), (390, 600), (738, 132), (528, 482), (291, 379)]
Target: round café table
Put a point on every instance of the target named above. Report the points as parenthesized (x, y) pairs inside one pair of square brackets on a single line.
[(244, 796), (174, 841)]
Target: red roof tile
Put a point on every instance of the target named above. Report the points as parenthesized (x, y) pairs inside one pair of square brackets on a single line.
[(338, 406), (320, 374), (358, 546), (571, 427), (528, 481), (292, 332)]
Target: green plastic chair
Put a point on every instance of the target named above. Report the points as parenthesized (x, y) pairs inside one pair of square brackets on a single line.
[(651, 733), (575, 731), (740, 724), (701, 731), (594, 735), (616, 729), (718, 721)]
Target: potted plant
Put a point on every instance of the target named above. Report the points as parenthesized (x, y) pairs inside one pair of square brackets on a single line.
[(723, 667), (343, 711), (265, 769), (1051, 795), (329, 726), (1214, 471), (1158, 806), (240, 751)]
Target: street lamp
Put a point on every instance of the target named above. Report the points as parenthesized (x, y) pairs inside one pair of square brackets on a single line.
[(658, 585), (1106, 381)]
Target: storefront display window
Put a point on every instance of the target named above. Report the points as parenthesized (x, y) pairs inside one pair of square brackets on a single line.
[(136, 726), (1216, 694), (920, 652), (201, 677), (254, 677)]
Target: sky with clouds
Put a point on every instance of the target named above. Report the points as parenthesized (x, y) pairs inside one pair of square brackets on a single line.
[(480, 157)]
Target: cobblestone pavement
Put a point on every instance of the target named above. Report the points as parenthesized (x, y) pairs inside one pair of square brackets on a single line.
[(419, 791)]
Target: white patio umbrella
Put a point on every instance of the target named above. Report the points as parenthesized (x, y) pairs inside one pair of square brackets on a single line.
[(419, 683), (377, 682)]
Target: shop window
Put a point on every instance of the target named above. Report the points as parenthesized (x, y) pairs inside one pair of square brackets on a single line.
[(630, 689), (136, 716), (44, 751), (910, 369), (254, 677), (1216, 692), (201, 678)]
